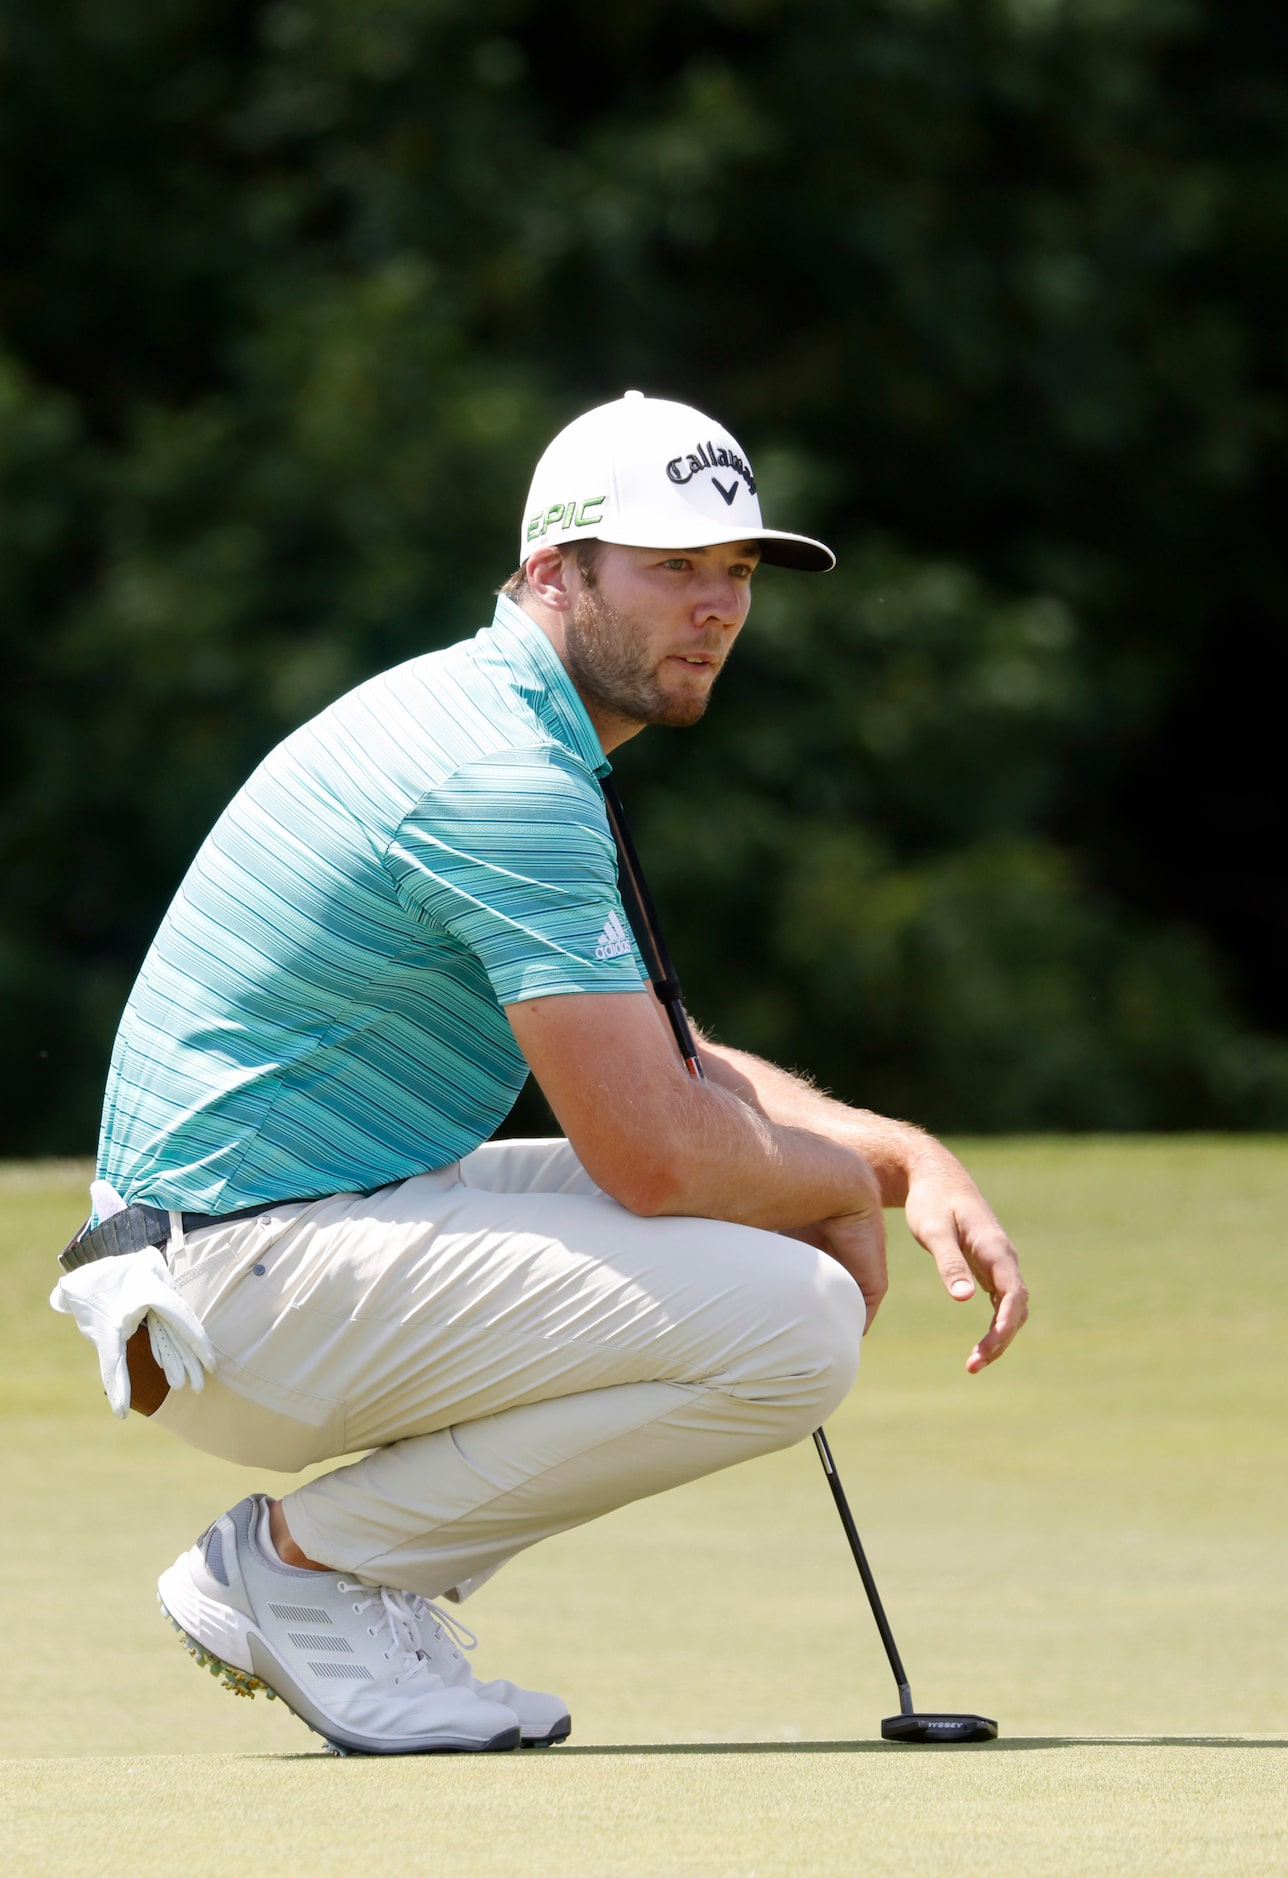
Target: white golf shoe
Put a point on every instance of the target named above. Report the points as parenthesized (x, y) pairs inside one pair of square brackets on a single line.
[(348, 1658), (543, 1719)]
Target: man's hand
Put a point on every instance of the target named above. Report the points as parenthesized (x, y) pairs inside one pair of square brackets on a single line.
[(949, 1216), (755, 1145), (857, 1241), (945, 1210)]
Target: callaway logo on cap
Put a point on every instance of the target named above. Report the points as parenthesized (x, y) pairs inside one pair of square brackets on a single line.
[(647, 473)]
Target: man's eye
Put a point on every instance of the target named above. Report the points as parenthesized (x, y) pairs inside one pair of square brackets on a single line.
[(677, 562)]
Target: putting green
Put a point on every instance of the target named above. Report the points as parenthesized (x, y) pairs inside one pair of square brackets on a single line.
[(1042, 1808), (1087, 1542)]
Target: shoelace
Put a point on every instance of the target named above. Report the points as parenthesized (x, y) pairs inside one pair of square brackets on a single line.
[(396, 1611), (450, 1629), (403, 1612)]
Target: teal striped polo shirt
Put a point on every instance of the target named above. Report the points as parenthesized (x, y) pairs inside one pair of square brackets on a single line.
[(322, 1009)]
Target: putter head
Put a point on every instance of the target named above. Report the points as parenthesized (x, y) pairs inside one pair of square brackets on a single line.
[(923, 1728)]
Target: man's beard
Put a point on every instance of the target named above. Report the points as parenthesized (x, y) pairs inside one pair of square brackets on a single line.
[(610, 667)]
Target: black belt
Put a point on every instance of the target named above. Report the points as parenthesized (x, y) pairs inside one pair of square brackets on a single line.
[(141, 1226)]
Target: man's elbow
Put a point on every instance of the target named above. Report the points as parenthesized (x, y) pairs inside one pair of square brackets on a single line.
[(648, 1181)]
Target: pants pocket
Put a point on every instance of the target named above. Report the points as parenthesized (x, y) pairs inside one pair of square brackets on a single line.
[(242, 1417)]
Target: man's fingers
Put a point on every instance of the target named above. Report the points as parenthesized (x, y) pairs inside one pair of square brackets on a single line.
[(872, 1296), (867, 1266), (942, 1243), (1008, 1318), (961, 1232), (991, 1259)]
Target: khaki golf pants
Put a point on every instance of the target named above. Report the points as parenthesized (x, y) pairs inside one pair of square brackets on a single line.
[(517, 1351)]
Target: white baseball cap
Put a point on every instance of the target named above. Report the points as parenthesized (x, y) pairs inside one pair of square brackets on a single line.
[(646, 473)]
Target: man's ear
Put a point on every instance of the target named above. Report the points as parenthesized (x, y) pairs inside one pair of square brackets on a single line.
[(548, 572)]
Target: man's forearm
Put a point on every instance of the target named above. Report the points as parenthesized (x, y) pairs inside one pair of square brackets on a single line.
[(893, 1149), (660, 1143), (729, 1160), (756, 1168)]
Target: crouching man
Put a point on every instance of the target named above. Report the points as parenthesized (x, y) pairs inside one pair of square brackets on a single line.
[(305, 1244)]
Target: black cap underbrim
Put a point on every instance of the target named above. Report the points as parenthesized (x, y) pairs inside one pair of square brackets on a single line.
[(796, 551)]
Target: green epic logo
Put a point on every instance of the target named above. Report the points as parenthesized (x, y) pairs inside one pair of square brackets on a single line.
[(566, 515)]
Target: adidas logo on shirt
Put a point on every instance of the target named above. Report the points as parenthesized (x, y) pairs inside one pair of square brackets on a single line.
[(614, 941)]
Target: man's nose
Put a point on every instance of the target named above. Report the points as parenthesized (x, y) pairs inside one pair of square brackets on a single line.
[(721, 600)]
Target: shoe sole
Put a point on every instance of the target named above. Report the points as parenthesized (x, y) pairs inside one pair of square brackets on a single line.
[(248, 1683), (551, 1740), (560, 1732)]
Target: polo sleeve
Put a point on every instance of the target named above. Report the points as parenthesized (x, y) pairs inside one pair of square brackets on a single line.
[(513, 857)]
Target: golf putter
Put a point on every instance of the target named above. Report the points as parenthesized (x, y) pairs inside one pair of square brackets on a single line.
[(907, 1725)]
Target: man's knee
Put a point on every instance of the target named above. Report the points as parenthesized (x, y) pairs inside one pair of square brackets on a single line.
[(812, 1359), (838, 1334)]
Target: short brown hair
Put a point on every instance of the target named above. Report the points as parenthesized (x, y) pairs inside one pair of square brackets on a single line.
[(586, 554)]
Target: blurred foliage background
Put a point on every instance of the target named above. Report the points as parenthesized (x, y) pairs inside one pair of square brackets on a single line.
[(984, 827)]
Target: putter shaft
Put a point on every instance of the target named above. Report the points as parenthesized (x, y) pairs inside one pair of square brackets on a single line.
[(865, 1570), (647, 929)]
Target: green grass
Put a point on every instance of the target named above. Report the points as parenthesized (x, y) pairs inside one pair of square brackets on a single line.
[(1087, 1542)]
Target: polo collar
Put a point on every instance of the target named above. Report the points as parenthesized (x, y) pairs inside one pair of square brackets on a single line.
[(538, 672)]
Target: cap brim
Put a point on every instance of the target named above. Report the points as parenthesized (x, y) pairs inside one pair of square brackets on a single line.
[(777, 547), (799, 551)]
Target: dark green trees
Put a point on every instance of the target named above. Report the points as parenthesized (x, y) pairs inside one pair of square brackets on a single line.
[(983, 827)]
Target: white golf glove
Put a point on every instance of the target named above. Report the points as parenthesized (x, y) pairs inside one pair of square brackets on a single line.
[(112, 1297)]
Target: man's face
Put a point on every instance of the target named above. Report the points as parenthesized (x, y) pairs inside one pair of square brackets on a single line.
[(649, 631)]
